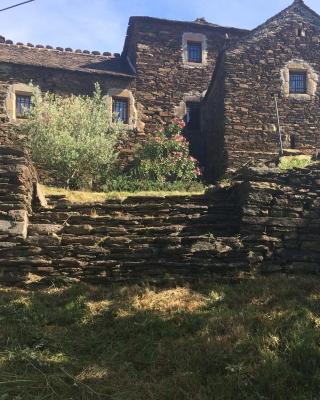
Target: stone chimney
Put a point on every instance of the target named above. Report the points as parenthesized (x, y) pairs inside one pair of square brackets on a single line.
[(201, 20)]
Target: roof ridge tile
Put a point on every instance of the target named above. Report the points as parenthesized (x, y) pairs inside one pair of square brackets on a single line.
[(59, 49)]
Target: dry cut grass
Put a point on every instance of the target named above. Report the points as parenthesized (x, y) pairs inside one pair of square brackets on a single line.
[(250, 339), (99, 197)]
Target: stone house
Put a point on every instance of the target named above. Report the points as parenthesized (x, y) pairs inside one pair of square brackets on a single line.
[(222, 81), (163, 72), (278, 62)]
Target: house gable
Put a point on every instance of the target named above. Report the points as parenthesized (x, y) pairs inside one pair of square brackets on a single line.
[(281, 59), (298, 14)]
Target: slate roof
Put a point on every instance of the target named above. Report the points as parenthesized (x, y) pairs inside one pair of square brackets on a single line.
[(199, 22), (66, 59)]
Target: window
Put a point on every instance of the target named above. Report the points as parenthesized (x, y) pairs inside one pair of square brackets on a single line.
[(193, 115), (120, 108), (23, 105), (298, 82), (195, 52)]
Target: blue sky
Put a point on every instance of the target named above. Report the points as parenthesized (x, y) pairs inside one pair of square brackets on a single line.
[(101, 24)]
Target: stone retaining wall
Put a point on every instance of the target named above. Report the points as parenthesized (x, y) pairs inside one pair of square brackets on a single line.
[(154, 239), (281, 219), (265, 221), (18, 185)]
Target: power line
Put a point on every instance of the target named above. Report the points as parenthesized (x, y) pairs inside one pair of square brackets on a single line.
[(16, 5)]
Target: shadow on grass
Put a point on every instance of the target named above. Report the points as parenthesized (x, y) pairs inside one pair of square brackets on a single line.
[(256, 339)]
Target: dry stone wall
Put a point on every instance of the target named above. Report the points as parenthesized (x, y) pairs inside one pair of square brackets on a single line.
[(265, 221), (280, 224), (153, 239), (18, 191)]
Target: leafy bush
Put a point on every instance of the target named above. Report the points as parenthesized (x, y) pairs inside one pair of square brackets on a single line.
[(165, 158), (75, 136)]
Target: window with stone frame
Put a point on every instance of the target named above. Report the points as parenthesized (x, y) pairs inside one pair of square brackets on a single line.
[(23, 105), (120, 109), (298, 82), (194, 52)]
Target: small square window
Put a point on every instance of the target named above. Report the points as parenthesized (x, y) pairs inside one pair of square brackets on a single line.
[(298, 82), (23, 105), (195, 52), (120, 109)]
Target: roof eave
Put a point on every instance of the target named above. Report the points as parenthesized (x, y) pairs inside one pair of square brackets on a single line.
[(88, 72)]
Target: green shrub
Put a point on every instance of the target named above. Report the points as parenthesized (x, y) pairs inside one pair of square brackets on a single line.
[(162, 163), (75, 136), (165, 157)]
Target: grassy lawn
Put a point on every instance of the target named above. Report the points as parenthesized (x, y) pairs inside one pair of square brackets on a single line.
[(291, 162), (84, 197), (251, 339)]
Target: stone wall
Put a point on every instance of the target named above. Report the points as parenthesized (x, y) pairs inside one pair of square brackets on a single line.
[(151, 70), (281, 219), (62, 82), (18, 192), (265, 221), (254, 70), (140, 239), (54, 80), (163, 80), (212, 117)]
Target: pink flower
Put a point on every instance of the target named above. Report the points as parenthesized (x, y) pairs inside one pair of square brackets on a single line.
[(193, 159), (157, 139), (178, 154), (198, 172), (180, 139), (179, 122)]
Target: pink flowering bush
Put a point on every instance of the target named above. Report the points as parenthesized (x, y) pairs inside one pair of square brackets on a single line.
[(165, 157)]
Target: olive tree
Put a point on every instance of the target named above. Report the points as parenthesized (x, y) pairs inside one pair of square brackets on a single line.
[(75, 136)]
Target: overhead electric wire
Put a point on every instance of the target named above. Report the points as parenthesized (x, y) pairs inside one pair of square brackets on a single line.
[(17, 5)]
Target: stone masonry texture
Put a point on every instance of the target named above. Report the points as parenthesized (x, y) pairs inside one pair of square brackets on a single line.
[(265, 221), (239, 114), (151, 67)]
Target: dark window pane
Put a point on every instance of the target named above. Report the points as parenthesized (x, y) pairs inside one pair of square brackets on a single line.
[(193, 116), (298, 82), (120, 107), (23, 105), (195, 52)]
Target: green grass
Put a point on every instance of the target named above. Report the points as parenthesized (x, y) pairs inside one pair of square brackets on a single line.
[(77, 196), (250, 339), (291, 162)]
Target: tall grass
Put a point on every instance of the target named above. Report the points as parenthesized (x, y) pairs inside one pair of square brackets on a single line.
[(251, 339)]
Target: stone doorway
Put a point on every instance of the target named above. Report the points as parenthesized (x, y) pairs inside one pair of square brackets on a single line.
[(193, 132)]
